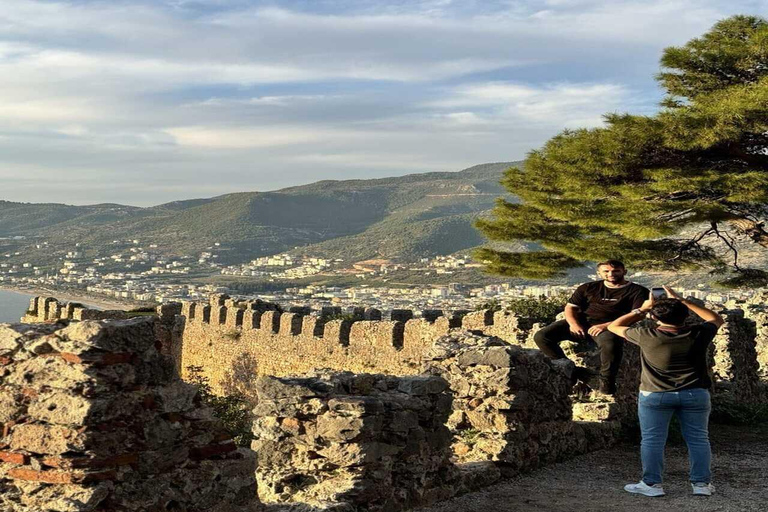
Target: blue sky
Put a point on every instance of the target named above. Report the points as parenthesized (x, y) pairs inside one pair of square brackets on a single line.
[(143, 102)]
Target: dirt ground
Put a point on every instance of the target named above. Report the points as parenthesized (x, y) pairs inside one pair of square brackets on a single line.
[(594, 482)]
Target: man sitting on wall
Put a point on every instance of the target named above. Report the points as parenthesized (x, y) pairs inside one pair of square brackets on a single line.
[(591, 308)]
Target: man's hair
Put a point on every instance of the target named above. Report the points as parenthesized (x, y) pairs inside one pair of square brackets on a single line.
[(670, 311), (611, 263)]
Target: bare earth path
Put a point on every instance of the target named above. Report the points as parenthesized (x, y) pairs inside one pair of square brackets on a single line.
[(594, 482)]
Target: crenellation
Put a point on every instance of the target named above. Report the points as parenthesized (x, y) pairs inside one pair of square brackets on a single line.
[(372, 314), (378, 336), (270, 321), (735, 360), (477, 320), (337, 331), (169, 309), (188, 310), (441, 326), (290, 324), (54, 313), (312, 326), (70, 309), (205, 313), (234, 318), (218, 299), (50, 309), (378, 442), (32, 310), (219, 315), (251, 319)]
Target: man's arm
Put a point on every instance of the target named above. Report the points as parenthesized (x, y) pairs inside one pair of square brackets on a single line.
[(705, 314), (572, 317)]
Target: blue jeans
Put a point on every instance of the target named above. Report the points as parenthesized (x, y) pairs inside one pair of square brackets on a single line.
[(692, 408)]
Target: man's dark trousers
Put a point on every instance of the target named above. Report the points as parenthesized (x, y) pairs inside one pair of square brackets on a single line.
[(611, 347)]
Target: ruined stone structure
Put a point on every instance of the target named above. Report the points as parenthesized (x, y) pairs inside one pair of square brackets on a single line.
[(49, 309), (511, 405), (93, 417), (213, 335), (435, 406), (375, 442)]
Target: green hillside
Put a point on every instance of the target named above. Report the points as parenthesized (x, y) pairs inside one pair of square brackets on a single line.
[(399, 218)]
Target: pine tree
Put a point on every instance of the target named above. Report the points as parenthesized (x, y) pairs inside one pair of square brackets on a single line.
[(683, 189)]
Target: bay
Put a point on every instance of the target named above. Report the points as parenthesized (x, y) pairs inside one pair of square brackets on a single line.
[(13, 305)]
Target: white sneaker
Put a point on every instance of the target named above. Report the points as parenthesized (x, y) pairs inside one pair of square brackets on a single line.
[(702, 489), (645, 489)]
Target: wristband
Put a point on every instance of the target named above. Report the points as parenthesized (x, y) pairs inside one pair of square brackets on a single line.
[(638, 311)]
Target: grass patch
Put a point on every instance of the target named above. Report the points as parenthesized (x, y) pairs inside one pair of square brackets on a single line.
[(234, 410)]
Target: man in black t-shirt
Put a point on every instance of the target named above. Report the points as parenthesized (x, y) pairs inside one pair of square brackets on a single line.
[(675, 382), (591, 308)]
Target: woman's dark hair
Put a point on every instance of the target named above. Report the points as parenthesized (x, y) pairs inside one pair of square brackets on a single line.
[(670, 311), (611, 263)]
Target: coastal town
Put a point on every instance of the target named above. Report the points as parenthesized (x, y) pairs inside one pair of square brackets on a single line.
[(137, 273)]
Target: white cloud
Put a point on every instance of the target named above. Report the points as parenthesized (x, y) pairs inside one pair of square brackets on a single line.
[(239, 138), (559, 105), (231, 96)]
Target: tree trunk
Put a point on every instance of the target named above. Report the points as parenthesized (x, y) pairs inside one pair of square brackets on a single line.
[(754, 230)]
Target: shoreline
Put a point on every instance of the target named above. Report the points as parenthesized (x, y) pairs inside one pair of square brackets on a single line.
[(89, 300)]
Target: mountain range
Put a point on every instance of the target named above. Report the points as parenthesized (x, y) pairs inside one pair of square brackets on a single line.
[(402, 218)]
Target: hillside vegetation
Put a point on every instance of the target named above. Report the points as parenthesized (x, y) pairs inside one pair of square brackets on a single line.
[(400, 218)]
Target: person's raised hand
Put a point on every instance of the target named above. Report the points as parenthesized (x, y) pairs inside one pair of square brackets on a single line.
[(672, 294)]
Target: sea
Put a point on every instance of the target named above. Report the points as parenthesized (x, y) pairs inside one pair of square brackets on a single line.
[(13, 305)]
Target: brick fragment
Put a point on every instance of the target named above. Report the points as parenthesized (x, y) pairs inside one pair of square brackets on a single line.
[(14, 458), (59, 477), (107, 359)]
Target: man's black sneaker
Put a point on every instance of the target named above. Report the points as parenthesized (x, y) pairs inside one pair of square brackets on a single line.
[(585, 375), (607, 388)]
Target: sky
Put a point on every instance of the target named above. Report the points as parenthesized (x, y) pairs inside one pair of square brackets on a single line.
[(146, 102)]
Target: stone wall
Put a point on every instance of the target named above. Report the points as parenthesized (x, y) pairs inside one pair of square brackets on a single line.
[(511, 405), (734, 359), (94, 418), (49, 309), (758, 313), (214, 334), (370, 442)]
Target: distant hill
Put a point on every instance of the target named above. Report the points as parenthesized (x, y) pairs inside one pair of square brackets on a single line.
[(401, 218)]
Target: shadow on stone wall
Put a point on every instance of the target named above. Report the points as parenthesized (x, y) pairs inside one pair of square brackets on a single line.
[(95, 418)]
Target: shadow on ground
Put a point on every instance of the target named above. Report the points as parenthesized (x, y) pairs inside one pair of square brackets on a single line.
[(594, 482)]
